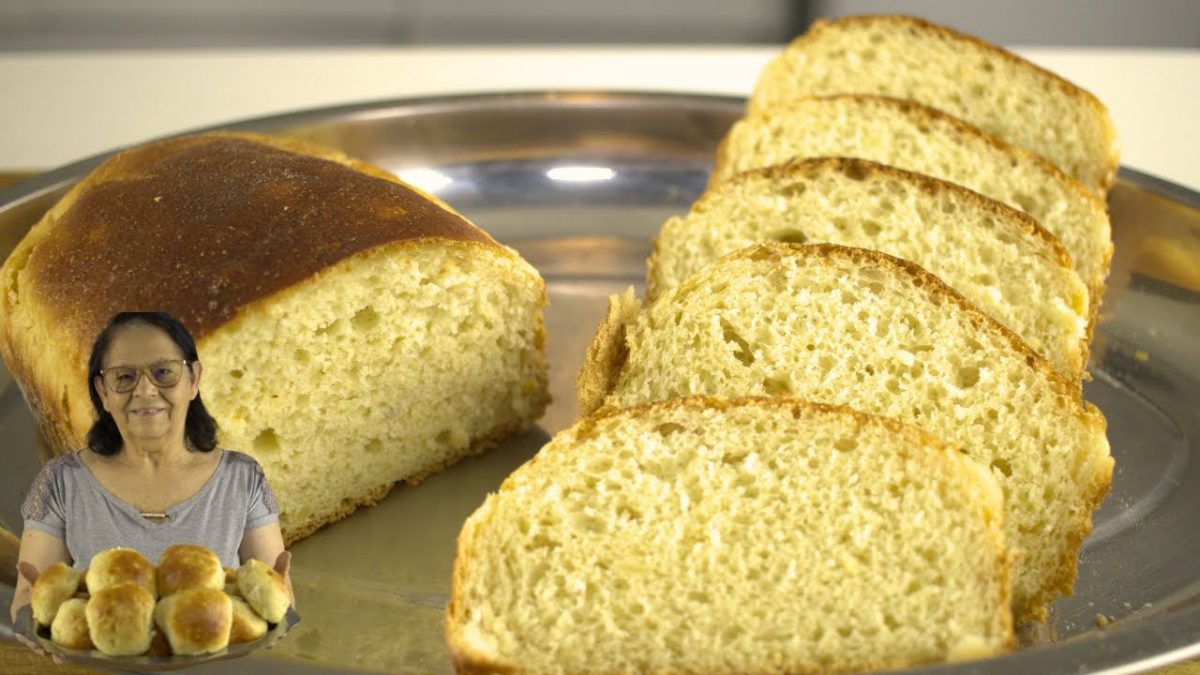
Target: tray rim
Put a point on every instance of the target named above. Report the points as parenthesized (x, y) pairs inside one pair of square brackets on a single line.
[(1160, 639)]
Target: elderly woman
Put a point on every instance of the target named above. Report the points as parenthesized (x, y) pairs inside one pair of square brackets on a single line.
[(151, 474)]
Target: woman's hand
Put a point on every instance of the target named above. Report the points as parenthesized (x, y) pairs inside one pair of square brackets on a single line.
[(29, 574)]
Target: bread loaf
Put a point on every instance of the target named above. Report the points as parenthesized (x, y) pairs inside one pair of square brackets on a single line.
[(54, 586), (119, 565), (354, 331), (185, 566), (920, 139), (120, 619), (264, 590), (863, 329), (195, 620), (998, 258), (742, 536), (70, 628), (986, 86)]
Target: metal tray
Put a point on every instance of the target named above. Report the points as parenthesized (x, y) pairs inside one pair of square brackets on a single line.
[(27, 628), (579, 182)]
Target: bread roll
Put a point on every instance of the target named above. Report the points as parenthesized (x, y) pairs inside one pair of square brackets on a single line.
[(119, 565), (189, 566), (195, 620), (1000, 259), (247, 625), (231, 582), (987, 86), (54, 586), (923, 140), (860, 328), (300, 272), (264, 589), (70, 627), (120, 619), (740, 536)]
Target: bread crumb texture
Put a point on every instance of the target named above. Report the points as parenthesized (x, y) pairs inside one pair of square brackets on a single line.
[(386, 367), (985, 85), (859, 328), (919, 139), (998, 258), (756, 535)]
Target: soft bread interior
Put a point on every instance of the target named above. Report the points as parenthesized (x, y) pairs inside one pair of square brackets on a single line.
[(858, 328), (765, 535), (988, 87), (999, 259), (915, 138), (387, 366)]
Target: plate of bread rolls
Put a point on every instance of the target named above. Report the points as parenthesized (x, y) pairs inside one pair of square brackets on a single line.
[(768, 319), (124, 611)]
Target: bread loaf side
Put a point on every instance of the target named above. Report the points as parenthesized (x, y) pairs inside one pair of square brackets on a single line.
[(863, 329), (355, 331), (998, 258), (920, 139), (744, 536), (988, 87)]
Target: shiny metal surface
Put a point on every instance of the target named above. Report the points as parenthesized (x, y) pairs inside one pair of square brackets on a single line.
[(579, 183)]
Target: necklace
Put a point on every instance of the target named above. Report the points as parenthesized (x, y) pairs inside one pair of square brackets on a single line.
[(155, 517)]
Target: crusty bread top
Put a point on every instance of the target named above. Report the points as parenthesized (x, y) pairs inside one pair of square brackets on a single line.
[(203, 225), (961, 74)]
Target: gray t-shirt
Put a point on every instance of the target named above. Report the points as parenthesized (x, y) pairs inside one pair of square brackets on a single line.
[(68, 502)]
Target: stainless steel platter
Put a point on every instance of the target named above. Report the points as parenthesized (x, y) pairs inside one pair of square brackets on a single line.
[(579, 182)]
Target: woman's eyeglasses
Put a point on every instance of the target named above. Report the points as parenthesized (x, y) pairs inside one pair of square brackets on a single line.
[(162, 374)]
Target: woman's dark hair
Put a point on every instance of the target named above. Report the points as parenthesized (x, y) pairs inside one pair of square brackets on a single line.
[(200, 429)]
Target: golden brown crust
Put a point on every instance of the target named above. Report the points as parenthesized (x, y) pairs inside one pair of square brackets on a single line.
[(196, 620), (200, 226), (606, 353), (119, 619), (118, 566), (53, 587), (70, 628), (184, 566), (53, 384)]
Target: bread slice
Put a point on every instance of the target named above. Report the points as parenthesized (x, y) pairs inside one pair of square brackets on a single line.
[(917, 138), (742, 536), (998, 258), (986, 86), (354, 331), (860, 328)]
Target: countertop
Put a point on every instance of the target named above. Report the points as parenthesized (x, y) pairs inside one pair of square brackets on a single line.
[(64, 106)]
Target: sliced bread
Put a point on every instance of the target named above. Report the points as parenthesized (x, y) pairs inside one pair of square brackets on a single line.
[(917, 138), (861, 328), (743, 536), (987, 86), (998, 258)]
